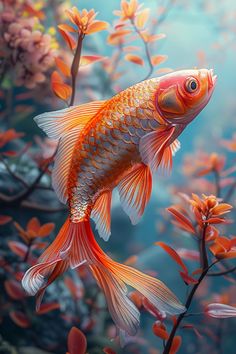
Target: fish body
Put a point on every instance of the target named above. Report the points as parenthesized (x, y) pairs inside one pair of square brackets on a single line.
[(119, 143)]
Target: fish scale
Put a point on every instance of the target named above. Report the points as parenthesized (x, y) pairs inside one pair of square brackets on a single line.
[(111, 144)]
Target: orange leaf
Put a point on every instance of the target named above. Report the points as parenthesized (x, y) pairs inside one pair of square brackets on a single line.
[(90, 59), (70, 41), (50, 306), (183, 222), (20, 319), (134, 59), (66, 28), (158, 59), (97, 26), (62, 66), (226, 255), (46, 229), (175, 344), (221, 209), (77, 343), (142, 18), (33, 225), (62, 91), (159, 330), (155, 37), (173, 255)]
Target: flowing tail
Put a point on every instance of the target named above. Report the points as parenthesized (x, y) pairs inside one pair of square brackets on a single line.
[(74, 245)]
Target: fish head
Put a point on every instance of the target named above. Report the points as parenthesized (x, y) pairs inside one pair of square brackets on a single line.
[(182, 95)]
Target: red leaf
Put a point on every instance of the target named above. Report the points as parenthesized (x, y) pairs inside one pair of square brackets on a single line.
[(187, 278), (173, 255), (77, 343), (14, 290), (75, 289), (108, 350), (18, 248), (175, 344), (20, 319), (190, 326), (4, 219), (183, 222), (50, 306), (159, 330)]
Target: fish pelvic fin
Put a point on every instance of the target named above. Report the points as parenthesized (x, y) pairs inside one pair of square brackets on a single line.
[(135, 190), (76, 245)]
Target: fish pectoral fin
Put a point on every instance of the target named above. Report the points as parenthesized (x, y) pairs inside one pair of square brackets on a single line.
[(101, 214), (175, 146), (135, 191), (56, 123), (61, 170), (152, 147)]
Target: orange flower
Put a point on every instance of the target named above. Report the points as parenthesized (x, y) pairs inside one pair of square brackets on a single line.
[(34, 229), (85, 21), (128, 10), (203, 164)]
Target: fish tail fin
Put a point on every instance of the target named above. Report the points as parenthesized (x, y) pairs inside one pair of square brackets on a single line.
[(74, 245)]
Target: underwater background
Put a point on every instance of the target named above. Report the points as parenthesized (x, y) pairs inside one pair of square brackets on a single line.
[(36, 54)]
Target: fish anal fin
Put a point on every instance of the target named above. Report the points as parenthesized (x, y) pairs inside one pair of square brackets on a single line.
[(101, 214), (56, 123), (135, 191), (152, 146)]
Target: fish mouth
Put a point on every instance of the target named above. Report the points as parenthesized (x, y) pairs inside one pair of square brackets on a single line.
[(211, 79)]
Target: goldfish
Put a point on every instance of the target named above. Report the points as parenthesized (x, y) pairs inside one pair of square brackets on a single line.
[(116, 143)]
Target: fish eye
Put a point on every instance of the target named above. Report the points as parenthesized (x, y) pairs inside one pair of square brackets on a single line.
[(191, 85)]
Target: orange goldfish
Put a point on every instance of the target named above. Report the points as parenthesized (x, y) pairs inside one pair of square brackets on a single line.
[(119, 143)]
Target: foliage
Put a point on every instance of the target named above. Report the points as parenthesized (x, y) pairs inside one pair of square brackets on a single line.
[(52, 60)]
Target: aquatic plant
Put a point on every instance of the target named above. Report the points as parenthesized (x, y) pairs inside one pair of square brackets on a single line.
[(53, 61)]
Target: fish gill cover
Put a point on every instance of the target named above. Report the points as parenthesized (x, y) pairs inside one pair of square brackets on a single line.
[(167, 283)]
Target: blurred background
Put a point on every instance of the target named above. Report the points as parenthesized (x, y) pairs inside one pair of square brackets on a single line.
[(197, 33)]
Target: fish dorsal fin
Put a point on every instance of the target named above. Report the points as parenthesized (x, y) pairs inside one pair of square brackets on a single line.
[(101, 214), (56, 123), (135, 191), (152, 146), (61, 170)]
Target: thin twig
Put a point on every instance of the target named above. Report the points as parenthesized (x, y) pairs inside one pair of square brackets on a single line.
[(75, 67), (148, 55), (217, 274)]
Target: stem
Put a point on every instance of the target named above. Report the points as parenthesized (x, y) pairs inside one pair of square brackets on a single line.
[(75, 67), (217, 183), (204, 261), (146, 50), (230, 192), (217, 274), (203, 250)]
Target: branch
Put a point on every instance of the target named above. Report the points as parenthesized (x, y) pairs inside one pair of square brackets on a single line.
[(217, 274), (75, 67), (148, 55), (13, 174), (191, 295)]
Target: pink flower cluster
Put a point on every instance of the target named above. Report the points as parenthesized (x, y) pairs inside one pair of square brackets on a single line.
[(25, 48)]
